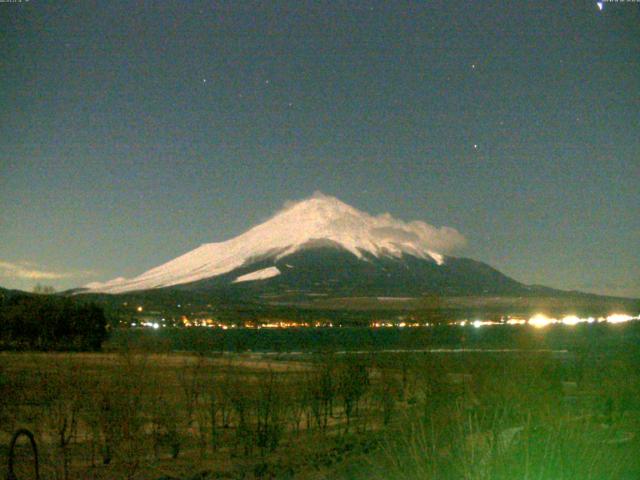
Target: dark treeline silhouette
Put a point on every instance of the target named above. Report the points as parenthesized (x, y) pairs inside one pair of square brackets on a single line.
[(45, 322)]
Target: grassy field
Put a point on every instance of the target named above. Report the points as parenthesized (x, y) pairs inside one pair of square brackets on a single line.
[(131, 413)]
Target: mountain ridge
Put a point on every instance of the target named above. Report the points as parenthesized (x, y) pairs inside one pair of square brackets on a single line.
[(322, 247), (302, 225)]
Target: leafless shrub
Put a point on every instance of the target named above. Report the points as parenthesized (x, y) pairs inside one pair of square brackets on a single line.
[(63, 400), (116, 412)]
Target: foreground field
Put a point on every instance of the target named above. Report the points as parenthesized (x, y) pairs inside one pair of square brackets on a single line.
[(134, 414)]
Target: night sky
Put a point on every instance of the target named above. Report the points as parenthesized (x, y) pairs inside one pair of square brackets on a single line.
[(132, 132)]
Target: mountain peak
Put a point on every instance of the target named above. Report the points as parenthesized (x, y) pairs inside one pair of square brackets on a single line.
[(299, 225), (318, 206)]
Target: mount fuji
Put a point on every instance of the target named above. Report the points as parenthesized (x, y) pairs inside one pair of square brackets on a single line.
[(322, 246)]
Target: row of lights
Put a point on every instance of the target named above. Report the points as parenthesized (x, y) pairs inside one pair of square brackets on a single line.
[(386, 324), (538, 321)]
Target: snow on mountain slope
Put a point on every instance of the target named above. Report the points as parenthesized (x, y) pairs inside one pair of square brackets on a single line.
[(320, 218), (263, 274)]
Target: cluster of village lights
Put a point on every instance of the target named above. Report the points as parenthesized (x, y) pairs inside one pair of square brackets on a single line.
[(211, 323)]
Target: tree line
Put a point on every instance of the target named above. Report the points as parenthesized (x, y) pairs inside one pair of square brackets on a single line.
[(48, 322)]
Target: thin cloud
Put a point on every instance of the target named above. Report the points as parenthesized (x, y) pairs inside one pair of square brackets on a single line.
[(29, 271)]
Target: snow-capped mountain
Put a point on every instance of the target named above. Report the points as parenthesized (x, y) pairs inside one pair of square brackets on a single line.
[(318, 223)]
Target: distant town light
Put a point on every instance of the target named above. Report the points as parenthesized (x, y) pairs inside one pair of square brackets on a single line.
[(619, 318), (139, 308), (572, 320), (516, 321), (541, 321)]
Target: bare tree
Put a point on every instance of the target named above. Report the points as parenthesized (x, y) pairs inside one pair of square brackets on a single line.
[(269, 412), (116, 412), (63, 404), (353, 379)]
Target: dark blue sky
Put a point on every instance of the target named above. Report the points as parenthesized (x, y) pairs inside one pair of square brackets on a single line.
[(132, 131)]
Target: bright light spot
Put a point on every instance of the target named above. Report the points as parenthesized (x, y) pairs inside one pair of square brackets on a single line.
[(540, 321), (483, 323), (155, 326), (600, 5), (139, 309), (516, 321), (619, 318), (133, 324), (572, 320)]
